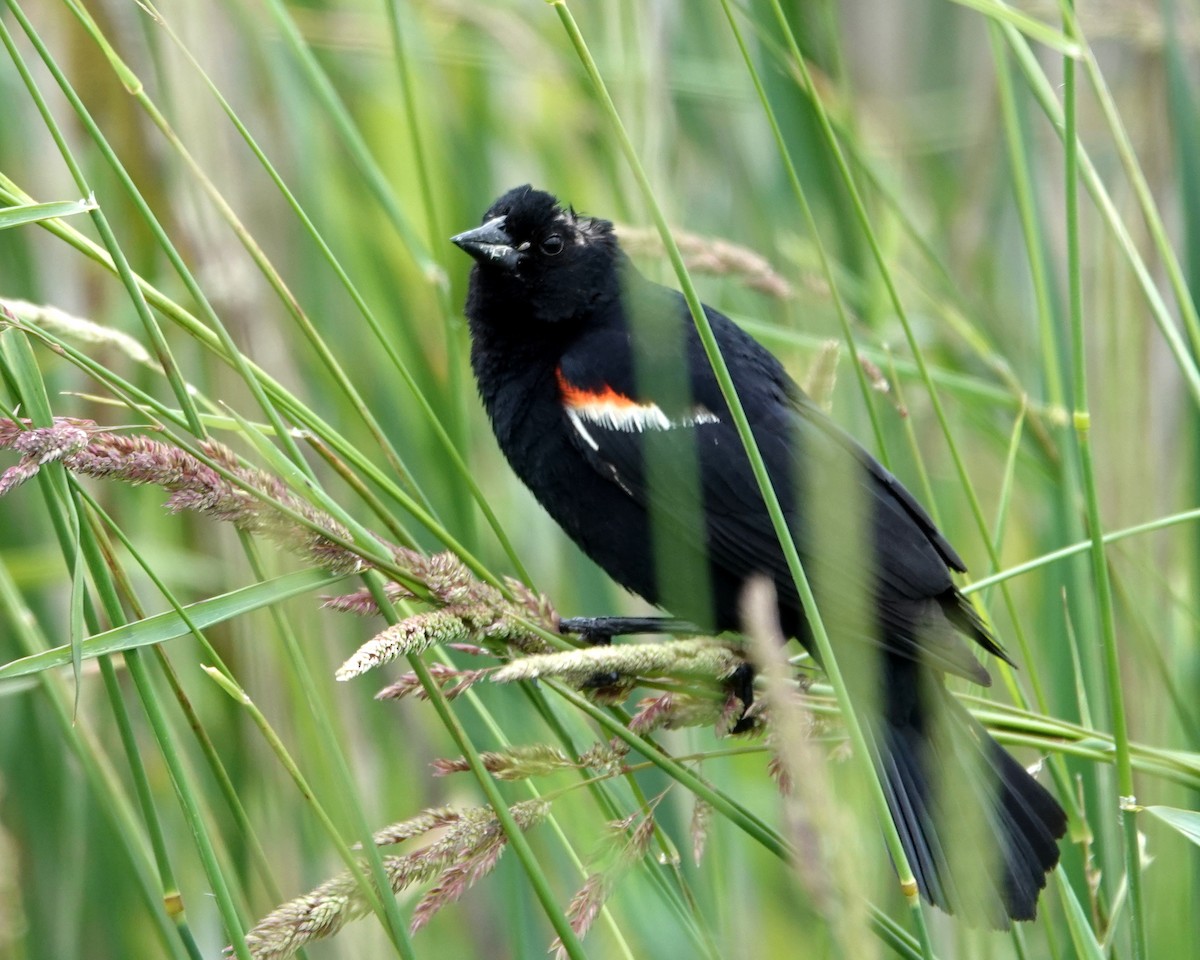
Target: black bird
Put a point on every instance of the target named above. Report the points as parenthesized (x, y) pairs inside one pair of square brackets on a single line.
[(605, 404)]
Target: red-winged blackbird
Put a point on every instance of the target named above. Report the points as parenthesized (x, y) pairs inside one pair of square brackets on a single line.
[(606, 406)]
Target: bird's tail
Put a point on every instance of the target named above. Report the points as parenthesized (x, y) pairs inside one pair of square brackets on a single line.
[(979, 831)]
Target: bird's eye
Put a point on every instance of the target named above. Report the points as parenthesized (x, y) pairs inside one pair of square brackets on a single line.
[(552, 246)]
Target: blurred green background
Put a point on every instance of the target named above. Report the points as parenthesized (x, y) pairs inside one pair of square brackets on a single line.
[(305, 162)]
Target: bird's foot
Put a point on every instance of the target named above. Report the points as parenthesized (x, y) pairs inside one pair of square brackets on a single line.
[(741, 685)]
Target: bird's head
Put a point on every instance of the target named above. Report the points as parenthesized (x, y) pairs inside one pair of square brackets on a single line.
[(543, 259)]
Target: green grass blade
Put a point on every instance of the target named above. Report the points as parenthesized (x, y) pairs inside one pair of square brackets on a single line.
[(20, 214), (1186, 822), (169, 626)]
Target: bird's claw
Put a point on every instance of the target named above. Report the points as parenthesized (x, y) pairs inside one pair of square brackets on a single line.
[(741, 685)]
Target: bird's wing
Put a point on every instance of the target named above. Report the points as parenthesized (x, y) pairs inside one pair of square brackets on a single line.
[(653, 438), (882, 478)]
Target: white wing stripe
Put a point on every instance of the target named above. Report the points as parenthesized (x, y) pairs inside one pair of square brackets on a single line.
[(633, 417)]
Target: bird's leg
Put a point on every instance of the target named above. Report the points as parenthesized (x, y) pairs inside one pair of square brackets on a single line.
[(598, 631), (601, 630)]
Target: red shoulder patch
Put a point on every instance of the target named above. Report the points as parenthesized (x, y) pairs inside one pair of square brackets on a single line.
[(575, 397)]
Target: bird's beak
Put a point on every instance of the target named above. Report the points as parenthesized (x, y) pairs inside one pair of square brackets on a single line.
[(489, 243)]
